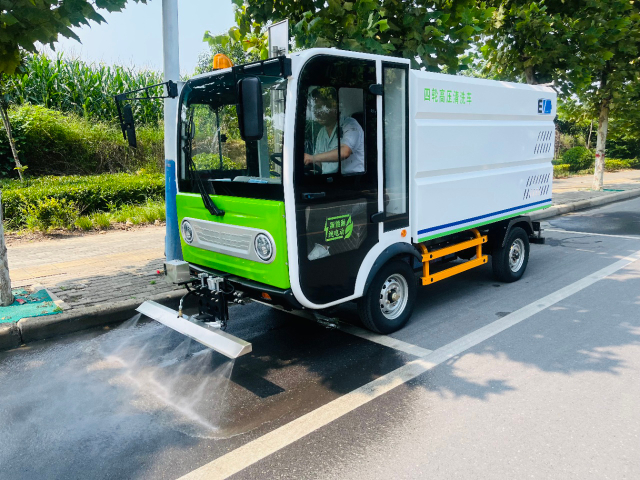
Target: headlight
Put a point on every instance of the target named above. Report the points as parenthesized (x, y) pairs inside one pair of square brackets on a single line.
[(187, 231), (264, 247)]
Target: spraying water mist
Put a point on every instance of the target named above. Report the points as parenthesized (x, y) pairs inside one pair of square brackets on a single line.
[(169, 371)]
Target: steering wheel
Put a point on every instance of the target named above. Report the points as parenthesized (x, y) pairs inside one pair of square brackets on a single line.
[(274, 157)]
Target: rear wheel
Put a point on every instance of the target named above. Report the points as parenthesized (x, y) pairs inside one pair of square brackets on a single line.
[(388, 303), (510, 261)]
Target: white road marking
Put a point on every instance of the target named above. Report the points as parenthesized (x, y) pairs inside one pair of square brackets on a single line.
[(595, 234), (260, 448), (384, 340)]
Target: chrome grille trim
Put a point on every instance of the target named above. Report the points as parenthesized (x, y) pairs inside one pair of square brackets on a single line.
[(227, 239)]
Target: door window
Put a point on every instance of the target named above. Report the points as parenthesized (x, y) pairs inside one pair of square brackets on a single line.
[(334, 137), (396, 135)]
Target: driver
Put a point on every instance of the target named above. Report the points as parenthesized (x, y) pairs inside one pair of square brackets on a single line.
[(325, 152)]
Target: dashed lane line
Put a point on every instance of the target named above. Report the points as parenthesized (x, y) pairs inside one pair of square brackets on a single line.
[(260, 448)]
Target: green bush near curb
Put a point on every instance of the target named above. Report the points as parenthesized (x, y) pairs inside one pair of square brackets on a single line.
[(88, 194), (561, 171), (615, 164), (578, 158)]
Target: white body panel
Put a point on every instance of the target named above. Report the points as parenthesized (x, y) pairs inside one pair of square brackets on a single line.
[(469, 164), (474, 163)]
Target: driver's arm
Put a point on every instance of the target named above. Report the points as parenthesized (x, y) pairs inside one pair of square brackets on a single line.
[(330, 156)]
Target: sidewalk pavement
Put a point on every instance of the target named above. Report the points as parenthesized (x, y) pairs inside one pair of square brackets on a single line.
[(103, 278)]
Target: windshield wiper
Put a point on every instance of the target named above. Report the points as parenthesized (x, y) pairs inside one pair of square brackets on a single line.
[(195, 176)]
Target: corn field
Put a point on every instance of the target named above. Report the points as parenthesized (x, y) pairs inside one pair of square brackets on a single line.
[(71, 85)]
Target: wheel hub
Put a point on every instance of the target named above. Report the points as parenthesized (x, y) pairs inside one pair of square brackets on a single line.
[(393, 296), (516, 255)]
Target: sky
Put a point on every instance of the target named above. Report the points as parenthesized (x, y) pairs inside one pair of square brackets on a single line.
[(133, 37)]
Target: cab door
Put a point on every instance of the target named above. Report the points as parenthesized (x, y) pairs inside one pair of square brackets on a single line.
[(335, 174)]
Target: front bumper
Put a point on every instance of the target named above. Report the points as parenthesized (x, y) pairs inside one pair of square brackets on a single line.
[(252, 289)]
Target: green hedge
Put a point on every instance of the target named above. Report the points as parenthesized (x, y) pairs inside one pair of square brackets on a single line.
[(89, 193), (614, 164), (560, 171), (578, 158), (52, 143)]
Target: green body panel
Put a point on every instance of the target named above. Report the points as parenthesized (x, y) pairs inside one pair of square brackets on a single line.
[(244, 212)]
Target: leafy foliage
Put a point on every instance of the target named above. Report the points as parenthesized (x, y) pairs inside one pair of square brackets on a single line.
[(560, 171), (51, 142), (578, 158), (89, 194), (87, 90), (25, 22), (240, 49), (573, 43), (210, 161), (48, 213), (436, 33)]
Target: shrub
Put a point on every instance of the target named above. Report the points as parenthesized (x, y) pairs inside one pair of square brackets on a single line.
[(89, 194), (101, 220), (49, 213), (614, 164), (83, 223), (53, 143), (578, 158), (210, 161), (560, 171), (137, 214)]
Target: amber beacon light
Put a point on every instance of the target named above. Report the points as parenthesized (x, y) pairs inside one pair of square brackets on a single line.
[(221, 61)]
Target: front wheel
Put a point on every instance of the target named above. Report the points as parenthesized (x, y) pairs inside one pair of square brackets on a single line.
[(388, 303), (510, 261)]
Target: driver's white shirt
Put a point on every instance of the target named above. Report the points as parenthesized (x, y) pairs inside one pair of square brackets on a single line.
[(351, 134)]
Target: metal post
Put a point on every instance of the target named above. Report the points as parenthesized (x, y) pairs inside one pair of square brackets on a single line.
[(171, 55)]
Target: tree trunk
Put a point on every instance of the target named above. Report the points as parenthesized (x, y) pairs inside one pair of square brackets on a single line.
[(528, 74), (589, 137), (603, 125), (6, 296), (7, 127)]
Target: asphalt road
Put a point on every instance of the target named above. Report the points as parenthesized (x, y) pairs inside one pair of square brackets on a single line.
[(535, 379)]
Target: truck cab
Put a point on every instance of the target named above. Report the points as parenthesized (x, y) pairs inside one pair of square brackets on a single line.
[(298, 231)]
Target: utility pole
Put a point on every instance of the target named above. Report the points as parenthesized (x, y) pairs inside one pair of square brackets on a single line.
[(171, 57)]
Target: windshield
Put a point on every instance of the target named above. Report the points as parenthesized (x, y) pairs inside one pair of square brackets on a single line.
[(210, 139)]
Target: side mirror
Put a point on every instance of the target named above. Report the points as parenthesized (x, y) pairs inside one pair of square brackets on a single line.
[(249, 108), (128, 126)]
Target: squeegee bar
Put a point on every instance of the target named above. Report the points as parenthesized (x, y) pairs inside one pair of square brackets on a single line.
[(220, 341)]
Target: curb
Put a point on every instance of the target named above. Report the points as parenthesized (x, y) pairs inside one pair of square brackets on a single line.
[(583, 204), (9, 336), (39, 328)]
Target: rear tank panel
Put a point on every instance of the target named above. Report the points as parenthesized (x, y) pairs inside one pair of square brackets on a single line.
[(480, 151)]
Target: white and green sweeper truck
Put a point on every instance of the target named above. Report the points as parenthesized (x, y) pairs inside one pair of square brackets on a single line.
[(324, 176)]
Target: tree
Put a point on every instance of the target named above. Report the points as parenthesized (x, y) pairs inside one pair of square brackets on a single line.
[(4, 113), (434, 34), (25, 22), (239, 50), (6, 295), (589, 48)]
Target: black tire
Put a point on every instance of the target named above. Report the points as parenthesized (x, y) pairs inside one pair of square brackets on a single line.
[(370, 308), (502, 268)]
